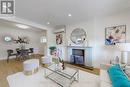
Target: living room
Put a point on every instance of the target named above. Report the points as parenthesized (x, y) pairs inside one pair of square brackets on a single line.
[(89, 37)]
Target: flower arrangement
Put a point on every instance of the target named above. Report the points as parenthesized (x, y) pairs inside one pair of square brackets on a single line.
[(22, 40), (52, 49)]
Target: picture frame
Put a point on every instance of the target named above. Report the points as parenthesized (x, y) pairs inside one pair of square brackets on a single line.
[(115, 34), (59, 38)]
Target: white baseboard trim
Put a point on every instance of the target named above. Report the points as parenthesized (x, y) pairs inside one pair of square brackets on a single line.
[(3, 58), (6, 58)]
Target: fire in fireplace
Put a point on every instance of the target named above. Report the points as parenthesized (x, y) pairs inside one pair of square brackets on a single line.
[(77, 56)]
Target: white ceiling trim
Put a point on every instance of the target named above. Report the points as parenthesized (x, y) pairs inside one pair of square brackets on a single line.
[(26, 22)]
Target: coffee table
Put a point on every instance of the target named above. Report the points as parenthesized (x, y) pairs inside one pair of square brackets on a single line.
[(64, 78)]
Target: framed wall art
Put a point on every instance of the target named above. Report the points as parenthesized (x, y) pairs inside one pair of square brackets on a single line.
[(115, 34), (59, 38)]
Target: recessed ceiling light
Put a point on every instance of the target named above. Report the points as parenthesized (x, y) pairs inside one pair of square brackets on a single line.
[(69, 15), (48, 23), (22, 26)]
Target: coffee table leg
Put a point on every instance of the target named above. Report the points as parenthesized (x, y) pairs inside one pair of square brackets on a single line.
[(45, 73), (78, 76)]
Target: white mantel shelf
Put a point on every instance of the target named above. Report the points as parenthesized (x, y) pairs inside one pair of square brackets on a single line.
[(78, 47)]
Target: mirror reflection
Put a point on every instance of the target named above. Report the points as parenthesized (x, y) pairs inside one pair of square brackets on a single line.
[(78, 36)]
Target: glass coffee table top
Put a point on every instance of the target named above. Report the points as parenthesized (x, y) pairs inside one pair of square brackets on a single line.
[(62, 77)]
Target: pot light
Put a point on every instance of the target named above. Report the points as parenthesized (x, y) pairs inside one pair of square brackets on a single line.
[(69, 15), (48, 23), (22, 26)]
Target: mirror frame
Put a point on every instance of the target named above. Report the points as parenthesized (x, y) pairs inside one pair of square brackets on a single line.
[(75, 41)]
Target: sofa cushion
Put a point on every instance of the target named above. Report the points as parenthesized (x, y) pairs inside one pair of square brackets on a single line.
[(118, 77)]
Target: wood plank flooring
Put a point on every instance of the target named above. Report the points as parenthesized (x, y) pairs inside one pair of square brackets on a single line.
[(7, 69), (16, 66)]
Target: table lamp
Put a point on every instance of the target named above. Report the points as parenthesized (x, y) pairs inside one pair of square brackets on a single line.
[(124, 48)]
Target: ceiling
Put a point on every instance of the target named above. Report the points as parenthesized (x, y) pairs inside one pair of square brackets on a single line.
[(10, 24), (56, 11)]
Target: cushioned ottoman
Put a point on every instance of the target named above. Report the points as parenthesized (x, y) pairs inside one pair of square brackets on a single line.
[(30, 66)]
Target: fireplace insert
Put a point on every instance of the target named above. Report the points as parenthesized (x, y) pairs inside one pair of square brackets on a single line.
[(77, 56)]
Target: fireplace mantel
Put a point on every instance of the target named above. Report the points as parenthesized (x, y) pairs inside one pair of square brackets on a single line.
[(78, 47), (88, 54)]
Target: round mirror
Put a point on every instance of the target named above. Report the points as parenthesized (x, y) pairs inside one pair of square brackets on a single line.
[(78, 36)]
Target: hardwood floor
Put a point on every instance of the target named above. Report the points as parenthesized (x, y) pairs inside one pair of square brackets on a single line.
[(94, 71), (16, 66), (7, 69)]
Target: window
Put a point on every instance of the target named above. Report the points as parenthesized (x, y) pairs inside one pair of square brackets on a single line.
[(43, 39)]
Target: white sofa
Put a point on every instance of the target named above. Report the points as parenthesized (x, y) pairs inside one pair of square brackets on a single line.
[(104, 79)]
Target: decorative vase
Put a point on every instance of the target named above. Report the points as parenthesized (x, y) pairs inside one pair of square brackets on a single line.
[(62, 65)]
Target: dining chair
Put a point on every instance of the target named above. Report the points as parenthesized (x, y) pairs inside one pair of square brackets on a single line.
[(18, 53), (10, 53), (31, 51), (22, 54)]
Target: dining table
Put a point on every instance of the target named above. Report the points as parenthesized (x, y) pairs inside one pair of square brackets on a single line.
[(24, 53), (21, 54)]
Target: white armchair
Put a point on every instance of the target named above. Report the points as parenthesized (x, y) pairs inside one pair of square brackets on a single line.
[(46, 60), (30, 66)]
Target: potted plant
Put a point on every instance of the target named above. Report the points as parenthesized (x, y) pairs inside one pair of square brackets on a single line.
[(52, 49)]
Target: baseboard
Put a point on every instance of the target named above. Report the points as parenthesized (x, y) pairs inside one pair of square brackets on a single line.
[(3, 58), (6, 58), (82, 66)]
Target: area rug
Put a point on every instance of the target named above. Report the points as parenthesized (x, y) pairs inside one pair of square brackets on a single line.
[(38, 80)]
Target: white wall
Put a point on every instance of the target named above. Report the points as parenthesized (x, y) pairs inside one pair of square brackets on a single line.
[(95, 30), (62, 47), (33, 36), (102, 52), (50, 40)]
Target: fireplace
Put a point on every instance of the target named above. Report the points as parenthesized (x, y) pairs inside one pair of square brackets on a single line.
[(78, 56)]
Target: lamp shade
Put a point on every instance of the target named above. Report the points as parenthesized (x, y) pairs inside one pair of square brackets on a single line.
[(123, 46)]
